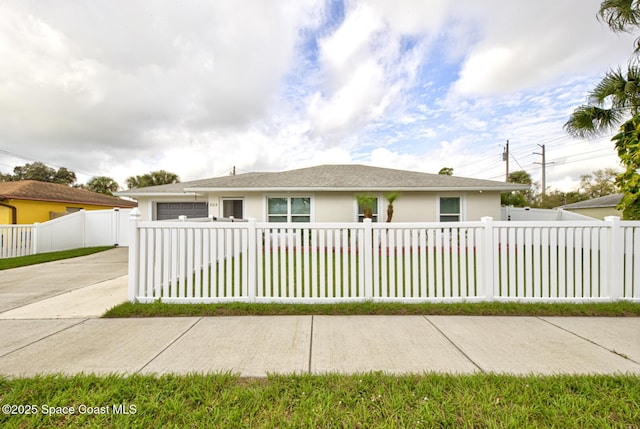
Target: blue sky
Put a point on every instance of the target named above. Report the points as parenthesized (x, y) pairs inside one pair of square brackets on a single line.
[(197, 87)]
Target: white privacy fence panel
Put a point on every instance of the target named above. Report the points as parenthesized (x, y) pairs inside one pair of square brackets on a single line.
[(72, 231), (534, 214), (427, 261), (16, 240), (190, 260), (409, 262), (630, 267), (64, 233), (552, 260), (84, 229)]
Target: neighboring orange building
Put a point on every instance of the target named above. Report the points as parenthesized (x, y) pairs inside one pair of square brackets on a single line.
[(31, 201)]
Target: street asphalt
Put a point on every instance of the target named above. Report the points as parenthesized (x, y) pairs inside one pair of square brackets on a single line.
[(49, 323)]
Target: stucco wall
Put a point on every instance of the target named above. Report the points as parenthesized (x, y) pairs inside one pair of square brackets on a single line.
[(598, 212), (483, 204), (6, 216), (341, 206)]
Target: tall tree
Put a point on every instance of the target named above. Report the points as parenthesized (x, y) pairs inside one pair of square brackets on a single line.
[(600, 183), (628, 145), (154, 178), (447, 171), (614, 100), (518, 198), (42, 173), (618, 93)]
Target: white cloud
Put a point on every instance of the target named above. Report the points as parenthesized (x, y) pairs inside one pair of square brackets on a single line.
[(196, 87), (528, 44)]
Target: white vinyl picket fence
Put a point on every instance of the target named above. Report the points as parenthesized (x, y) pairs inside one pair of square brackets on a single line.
[(410, 262), (75, 230)]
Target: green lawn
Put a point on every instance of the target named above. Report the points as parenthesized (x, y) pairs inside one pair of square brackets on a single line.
[(158, 309), (21, 261), (371, 400)]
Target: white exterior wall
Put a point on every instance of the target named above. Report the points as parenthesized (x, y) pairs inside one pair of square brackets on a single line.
[(335, 207), (482, 204), (341, 206)]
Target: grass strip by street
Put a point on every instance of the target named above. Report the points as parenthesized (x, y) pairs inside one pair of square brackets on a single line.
[(23, 261), (311, 401), (159, 309)]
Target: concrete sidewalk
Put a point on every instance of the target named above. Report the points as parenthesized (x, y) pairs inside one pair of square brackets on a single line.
[(254, 346), (48, 324)]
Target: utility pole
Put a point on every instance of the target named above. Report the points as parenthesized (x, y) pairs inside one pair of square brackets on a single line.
[(544, 170), (505, 157)]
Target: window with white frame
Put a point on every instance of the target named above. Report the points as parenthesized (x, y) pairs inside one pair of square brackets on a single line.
[(289, 209), (374, 211), (450, 209)]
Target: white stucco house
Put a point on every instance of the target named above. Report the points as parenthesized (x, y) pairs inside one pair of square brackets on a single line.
[(325, 193)]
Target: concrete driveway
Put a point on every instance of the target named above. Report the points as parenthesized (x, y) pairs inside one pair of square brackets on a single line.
[(79, 287)]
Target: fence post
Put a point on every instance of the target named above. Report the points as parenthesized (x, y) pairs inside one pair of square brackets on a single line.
[(616, 246), (134, 254), (34, 238), (115, 223), (368, 259), (83, 221), (252, 260), (488, 258)]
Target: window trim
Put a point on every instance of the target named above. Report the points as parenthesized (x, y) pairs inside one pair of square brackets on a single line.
[(289, 215), (461, 215)]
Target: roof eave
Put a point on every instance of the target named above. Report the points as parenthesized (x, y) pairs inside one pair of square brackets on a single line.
[(156, 194), (356, 189)]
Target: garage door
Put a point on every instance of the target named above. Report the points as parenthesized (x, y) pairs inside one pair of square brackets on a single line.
[(166, 211)]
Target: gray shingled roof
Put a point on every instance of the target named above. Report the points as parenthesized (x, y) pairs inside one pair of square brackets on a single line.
[(606, 201), (331, 177)]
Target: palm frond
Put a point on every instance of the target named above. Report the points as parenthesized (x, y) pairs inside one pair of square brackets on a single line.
[(588, 121), (611, 86), (620, 15)]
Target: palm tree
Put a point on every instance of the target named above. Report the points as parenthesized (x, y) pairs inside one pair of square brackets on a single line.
[(614, 100), (102, 185), (620, 15), (160, 177), (163, 177), (610, 102), (391, 197), (617, 96), (366, 202)]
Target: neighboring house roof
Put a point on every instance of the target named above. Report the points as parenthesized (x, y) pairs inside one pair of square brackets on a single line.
[(54, 192), (606, 201), (330, 178)]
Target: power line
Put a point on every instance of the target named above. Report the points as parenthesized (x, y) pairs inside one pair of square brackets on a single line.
[(50, 164)]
